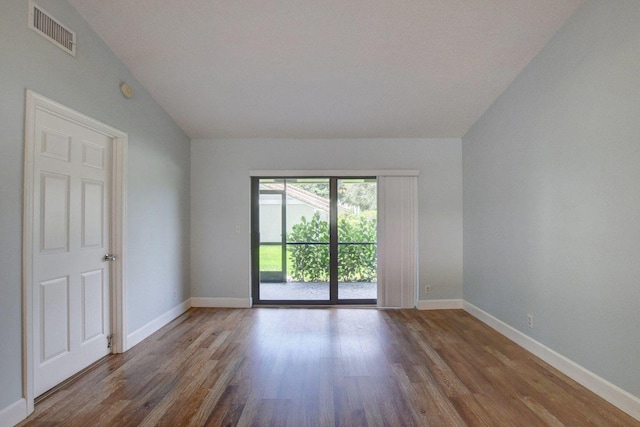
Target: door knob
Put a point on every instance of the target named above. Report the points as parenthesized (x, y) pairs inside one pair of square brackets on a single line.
[(109, 257)]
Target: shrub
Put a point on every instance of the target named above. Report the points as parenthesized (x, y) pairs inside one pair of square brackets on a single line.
[(356, 263), (309, 263)]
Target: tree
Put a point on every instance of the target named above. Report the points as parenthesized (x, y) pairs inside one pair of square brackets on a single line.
[(363, 195)]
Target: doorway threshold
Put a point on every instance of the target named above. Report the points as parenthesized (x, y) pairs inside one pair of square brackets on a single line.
[(368, 306)]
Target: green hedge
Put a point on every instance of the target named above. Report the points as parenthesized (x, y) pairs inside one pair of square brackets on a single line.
[(356, 263)]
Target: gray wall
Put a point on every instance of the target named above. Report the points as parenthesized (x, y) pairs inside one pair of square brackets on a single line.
[(551, 177), (158, 170), (221, 200)]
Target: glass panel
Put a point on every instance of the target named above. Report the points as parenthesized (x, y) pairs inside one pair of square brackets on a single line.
[(272, 268), (306, 233), (357, 237), (308, 206), (270, 218), (270, 257)]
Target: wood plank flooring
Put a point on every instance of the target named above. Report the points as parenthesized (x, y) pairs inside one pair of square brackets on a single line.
[(325, 367)]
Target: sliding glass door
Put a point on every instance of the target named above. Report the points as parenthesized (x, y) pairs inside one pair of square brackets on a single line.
[(292, 239), (314, 241), (357, 238)]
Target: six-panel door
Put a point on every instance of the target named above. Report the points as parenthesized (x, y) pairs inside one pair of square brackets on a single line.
[(71, 288)]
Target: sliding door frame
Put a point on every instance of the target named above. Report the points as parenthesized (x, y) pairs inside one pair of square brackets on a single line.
[(333, 244)]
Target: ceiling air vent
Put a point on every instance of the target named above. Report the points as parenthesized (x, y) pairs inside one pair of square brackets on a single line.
[(51, 29)]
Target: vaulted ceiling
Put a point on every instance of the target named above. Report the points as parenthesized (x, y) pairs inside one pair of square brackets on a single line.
[(326, 68)]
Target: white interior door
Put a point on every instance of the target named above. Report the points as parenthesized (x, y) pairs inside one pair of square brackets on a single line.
[(71, 286)]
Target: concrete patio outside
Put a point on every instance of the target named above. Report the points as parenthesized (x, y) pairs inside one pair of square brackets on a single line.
[(316, 290)]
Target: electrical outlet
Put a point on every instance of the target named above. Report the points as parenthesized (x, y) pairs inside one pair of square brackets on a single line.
[(175, 294), (530, 320), (427, 289)]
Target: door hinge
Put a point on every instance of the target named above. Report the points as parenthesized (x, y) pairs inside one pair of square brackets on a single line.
[(109, 340)]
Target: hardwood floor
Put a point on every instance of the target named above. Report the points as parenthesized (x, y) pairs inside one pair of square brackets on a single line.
[(325, 367)]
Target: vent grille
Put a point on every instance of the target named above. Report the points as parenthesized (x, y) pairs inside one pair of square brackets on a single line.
[(50, 28)]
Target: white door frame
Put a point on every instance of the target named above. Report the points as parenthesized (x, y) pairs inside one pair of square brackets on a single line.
[(35, 102)]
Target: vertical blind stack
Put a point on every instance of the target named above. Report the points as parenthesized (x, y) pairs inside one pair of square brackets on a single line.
[(397, 241)]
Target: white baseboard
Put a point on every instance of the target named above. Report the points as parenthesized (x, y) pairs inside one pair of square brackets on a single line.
[(14, 413), (440, 304), (157, 323), (603, 388), (221, 302)]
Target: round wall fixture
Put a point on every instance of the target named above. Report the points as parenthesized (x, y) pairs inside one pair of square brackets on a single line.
[(126, 90)]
